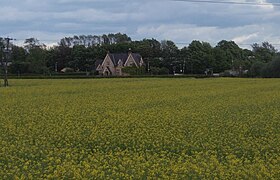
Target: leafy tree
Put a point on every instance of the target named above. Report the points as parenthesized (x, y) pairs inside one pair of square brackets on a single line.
[(37, 61), (200, 57), (248, 58), (19, 64), (59, 57), (170, 54), (265, 52), (256, 69), (94, 40), (272, 69), (231, 54), (148, 48), (32, 43), (28, 59), (2, 46), (121, 38), (81, 52), (79, 55), (118, 48)]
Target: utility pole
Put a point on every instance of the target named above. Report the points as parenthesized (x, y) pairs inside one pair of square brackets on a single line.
[(6, 52), (2, 57)]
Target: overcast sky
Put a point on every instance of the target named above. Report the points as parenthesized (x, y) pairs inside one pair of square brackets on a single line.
[(179, 21)]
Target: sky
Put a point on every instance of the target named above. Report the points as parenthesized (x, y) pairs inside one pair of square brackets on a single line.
[(180, 21)]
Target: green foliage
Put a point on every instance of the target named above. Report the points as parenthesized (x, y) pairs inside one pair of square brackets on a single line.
[(269, 70), (229, 55), (81, 59), (90, 41), (36, 61), (81, 53), (60, 55), (200, 56), (257, 69), (159, 71), (140, 129), (134, 70), (265, 52), (272, 69)]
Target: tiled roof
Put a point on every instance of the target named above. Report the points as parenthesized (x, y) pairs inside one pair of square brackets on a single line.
[(124, 56), (137, 57), (118, 56), (115, 57), (97, 63)]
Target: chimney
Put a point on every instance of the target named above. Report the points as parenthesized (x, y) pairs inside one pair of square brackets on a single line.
[(129, 51)]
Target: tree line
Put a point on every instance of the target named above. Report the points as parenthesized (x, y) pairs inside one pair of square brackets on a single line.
[(161, 57)]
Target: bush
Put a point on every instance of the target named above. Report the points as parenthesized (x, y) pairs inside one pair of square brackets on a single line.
[(159, 71), (134, 70), (256, 69), (272, 69)]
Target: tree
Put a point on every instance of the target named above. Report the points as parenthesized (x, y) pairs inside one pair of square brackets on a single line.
[(170, 53), (265, 52), (200, 57), (94, 40), (150, 50), (121, 38), (58, 57), (2, 46), (256, 69), (32, 43), (272, 69), (19, 64), (232, 54), (1, 54), (36, 56), (81, 59)]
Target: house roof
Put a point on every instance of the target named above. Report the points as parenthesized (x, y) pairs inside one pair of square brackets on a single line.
[(137, 57), (115, 57), (97, 63), (108, 69)]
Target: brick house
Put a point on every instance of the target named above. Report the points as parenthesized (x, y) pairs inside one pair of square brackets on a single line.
[(113, 63)]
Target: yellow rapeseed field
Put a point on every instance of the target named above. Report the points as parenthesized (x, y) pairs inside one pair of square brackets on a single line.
[(140, 129)]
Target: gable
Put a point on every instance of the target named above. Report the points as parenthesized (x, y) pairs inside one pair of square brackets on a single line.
[(130, 61), (116, 57), (107, 62), (141, 62), (99, 67), (106, 69), (122, 59)]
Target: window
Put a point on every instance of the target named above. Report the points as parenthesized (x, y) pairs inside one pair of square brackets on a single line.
[(118, 71)]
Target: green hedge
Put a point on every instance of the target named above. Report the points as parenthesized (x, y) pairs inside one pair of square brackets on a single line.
[(100, 77)]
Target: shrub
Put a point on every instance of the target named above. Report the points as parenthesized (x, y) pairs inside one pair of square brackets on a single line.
[(272, 69)]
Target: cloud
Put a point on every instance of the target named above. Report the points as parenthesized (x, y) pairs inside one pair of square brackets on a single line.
[(245, 38), (265, 4), (162, 19), (183, 34)]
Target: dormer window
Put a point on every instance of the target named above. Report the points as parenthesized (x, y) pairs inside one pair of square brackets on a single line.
[(120, 63)]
